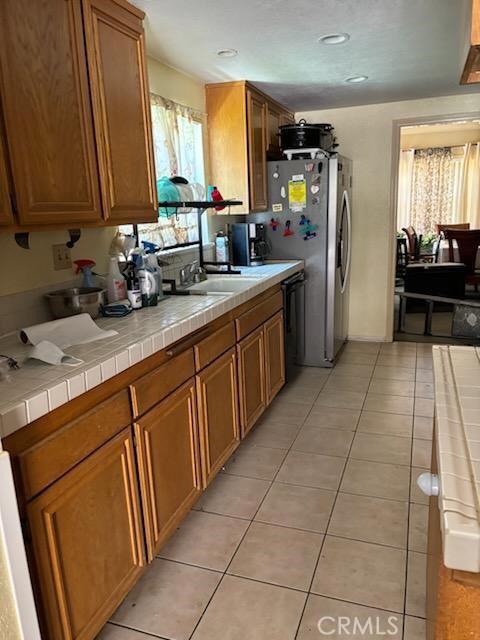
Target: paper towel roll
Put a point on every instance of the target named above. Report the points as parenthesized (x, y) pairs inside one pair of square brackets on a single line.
[(65, 332)]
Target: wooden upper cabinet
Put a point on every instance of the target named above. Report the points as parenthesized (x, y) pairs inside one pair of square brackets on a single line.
[(6, 216), (87, 541), (46, 107), (274, 356), (471, 72), (242, 126), (167, 446), (257, 147), (116, 57), (218, 413), (274, 121)]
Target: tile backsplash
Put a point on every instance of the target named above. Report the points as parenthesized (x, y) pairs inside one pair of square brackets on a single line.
[(30, 307)]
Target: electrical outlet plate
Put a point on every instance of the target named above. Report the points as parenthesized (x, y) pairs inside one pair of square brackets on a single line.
[(62, 257)]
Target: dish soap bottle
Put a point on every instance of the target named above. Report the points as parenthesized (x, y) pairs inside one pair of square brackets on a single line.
[(116, 286)]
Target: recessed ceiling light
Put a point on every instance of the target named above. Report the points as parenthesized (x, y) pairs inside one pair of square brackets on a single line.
[(227, 53), (356, 79), (335, 38)]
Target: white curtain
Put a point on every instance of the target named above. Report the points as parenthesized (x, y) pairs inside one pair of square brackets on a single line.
[(440, 189), (405, 174), (466, 197), (178, 151)]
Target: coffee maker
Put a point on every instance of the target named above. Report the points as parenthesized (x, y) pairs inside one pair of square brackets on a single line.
[(249, 244)]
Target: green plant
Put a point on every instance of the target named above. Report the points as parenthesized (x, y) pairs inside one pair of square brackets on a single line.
[(428, 239)]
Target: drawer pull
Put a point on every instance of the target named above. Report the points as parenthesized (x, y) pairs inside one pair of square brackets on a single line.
[(188, 343)]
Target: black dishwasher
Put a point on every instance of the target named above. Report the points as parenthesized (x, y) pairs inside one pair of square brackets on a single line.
[(294, 315)]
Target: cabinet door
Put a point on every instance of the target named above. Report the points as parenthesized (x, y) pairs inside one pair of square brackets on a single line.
[(116, 57), (218, 413), (274, 120), (251, 372), (48, 118), (274, 355), (257, 157), (167, 441), (286, 118), (86, 538), (6, 215)]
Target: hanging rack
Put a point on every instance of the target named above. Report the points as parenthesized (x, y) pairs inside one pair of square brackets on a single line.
[(201, 206)]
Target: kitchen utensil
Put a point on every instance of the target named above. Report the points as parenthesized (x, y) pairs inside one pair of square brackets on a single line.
[(307, 136), (70, 302)]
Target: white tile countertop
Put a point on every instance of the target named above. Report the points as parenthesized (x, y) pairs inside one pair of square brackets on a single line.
[(37, 388), (457, 405)]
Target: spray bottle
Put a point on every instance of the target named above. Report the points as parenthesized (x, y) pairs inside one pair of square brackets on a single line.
[(85, 266), (116, 287)]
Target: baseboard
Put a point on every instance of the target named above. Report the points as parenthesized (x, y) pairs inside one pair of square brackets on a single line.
[(369, 339)]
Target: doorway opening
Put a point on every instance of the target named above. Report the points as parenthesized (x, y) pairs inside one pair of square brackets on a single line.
[(437, 257)]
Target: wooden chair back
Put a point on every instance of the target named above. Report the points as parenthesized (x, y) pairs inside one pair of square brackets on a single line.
[(413, 242), (460, 225), (468, 242), (402, 258)]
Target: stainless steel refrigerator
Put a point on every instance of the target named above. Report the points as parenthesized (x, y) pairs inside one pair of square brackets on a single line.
[(309, 217)]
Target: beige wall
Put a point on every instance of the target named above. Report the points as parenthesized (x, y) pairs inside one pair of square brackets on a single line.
[(175, 85), (365, 136), (24, 270), (33, 268)]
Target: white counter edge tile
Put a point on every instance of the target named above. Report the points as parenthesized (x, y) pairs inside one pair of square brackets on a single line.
[(457, 468), (107, 358)]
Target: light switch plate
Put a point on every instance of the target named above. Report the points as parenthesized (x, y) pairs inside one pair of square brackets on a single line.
[(62, 257)]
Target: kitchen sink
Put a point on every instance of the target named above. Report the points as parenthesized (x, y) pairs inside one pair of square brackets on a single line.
[(229, 284)]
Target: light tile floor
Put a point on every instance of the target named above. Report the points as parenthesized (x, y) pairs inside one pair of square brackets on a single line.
[(317, 514)]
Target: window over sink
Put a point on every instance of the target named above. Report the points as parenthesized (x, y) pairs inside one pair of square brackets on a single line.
[(177, 133)]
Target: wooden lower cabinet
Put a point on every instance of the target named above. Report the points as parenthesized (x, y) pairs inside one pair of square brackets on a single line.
[(167, 446), (251, 374), (87, 541), (218, 413), (274, 355)]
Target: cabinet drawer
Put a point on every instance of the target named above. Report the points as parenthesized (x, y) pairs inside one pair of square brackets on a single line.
[(150, 389), (49, 459), (252, 319), (210, 348)]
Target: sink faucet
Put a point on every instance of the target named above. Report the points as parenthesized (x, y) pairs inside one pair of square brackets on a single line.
[(192, 272)]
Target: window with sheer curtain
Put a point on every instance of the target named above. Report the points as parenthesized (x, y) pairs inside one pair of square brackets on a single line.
[(439, 186), (177, 133)]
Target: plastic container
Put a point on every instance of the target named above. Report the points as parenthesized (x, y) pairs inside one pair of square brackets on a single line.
[(116, 285)]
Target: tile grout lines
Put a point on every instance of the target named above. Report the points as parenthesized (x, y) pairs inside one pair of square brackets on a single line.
[(308, 592), (253, 520)]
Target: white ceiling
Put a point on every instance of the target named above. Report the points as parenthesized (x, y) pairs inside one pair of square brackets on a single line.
[(408, 48)]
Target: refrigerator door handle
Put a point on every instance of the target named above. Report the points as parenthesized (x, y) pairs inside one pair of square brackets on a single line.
[(349, 240)]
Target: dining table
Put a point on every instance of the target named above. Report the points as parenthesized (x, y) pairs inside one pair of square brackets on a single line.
[(443, 253)]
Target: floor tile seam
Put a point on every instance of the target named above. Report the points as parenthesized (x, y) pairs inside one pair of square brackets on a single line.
[(397, 464), (408, 532), (330, 516), (362, 604), (145, 633)]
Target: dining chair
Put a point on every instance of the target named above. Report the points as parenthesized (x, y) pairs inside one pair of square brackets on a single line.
[(414, 243), (468, 242), (440, 228), (402, 258)]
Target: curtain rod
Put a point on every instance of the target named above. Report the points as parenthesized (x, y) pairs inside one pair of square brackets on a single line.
[(454, 146), (179, 104)]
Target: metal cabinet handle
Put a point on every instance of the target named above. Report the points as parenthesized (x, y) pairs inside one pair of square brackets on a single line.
[(188, 343)]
